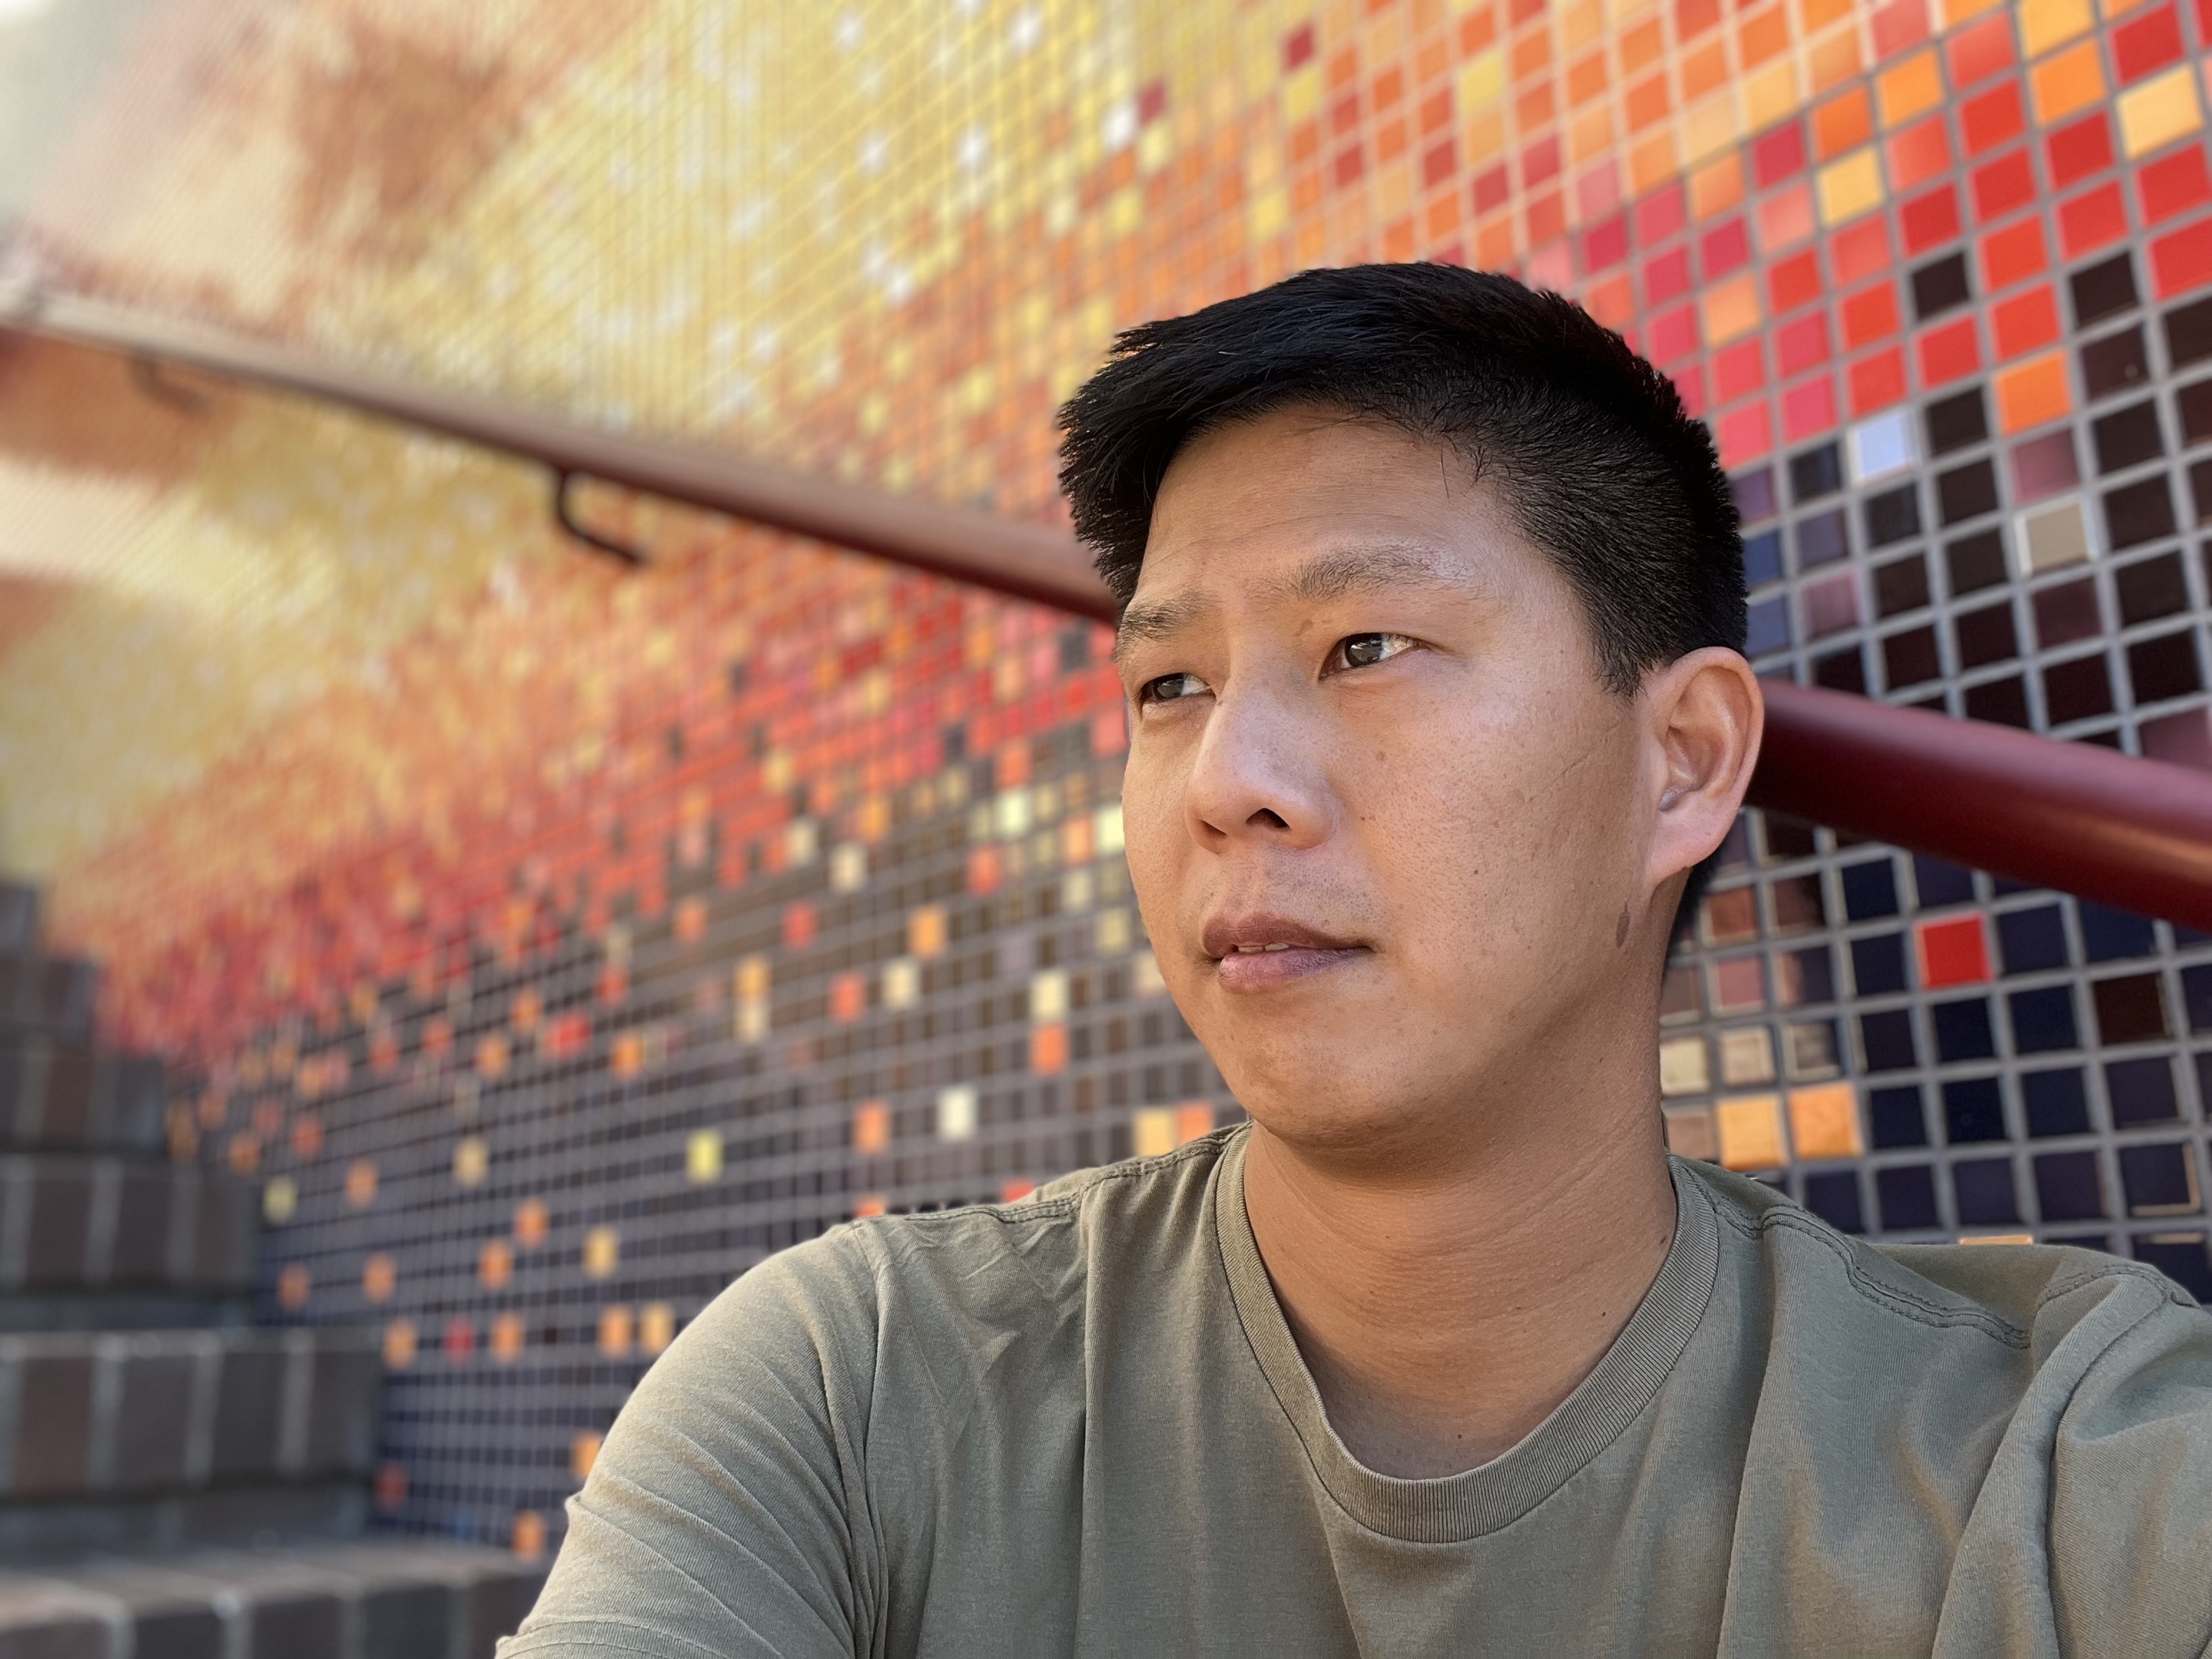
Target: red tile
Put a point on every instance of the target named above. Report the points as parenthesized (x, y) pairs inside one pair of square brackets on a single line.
[(1801, 345), (1929, 219), (1949, 352), (1738, 371), (2092, 220), (1724, 248), (1779, 155), (1606, 243), (1492, 188), (2080, 149), (1794, 282), (1690, 386), (1666, 276), (2204, 19), (2014, 254), (1918, 154), (2174, 184), (1863, 249), (2144, 44), (1694, 17), (1660, 214), (1809, 409), (1980, 50), (1990, 118), (2026, 321), (1298, 47), (1877, 381), (1870, 314), (1674, 336), (2005, 186), (1745, 435), (1441, 162), (1539, 161), (1953, 951), (2182, 259)]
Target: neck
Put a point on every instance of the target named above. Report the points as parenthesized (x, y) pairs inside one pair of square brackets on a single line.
[(1446, 1305)]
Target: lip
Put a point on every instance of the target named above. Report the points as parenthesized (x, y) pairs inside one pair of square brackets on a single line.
[(1303, 952)]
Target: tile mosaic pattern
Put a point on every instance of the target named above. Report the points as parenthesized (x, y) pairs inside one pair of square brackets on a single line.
[(553, 944)]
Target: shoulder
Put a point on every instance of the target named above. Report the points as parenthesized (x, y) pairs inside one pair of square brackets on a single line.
[(841, 1291), (2027, 1298)]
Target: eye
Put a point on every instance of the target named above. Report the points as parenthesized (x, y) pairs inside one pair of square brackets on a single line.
[(1171, 688), (1365, 650)]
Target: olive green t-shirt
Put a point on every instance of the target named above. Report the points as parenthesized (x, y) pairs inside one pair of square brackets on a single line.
[(1078, 1425)]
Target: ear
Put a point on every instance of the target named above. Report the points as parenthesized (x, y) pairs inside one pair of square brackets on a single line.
[(1706, 716)]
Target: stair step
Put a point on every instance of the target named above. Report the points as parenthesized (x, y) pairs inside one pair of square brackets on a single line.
[(54, 995), (135, 1415), (69, 1222), (75, 1097), (374, 1598), (122, 1311), (66, 1530)]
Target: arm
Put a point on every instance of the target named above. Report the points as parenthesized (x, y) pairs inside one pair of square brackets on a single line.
[(727, 1512)]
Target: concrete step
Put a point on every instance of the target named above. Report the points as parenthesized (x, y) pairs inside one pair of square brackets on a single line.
[(49, 993), (74, 1097), (374, 1598), (72, 1223), (134, 1416), (234, 1517), (19, 917), (122, 1311)]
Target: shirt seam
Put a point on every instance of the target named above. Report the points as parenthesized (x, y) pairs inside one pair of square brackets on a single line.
[(1902, 1303), (2089, 1275)]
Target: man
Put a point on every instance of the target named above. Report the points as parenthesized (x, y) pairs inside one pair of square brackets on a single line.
[(1434, 608)]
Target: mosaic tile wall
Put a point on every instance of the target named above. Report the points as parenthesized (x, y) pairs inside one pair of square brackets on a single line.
[(554, 943)]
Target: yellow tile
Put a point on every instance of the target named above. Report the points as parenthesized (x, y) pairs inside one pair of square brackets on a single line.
[(2071, 81), (1770, 95), (1909, 89), (1824, 1122), (1710, 128), (2160, 110), (2047, 23), (1849, 186), (1750, 1130), (1154, 1132), (1483, 81)]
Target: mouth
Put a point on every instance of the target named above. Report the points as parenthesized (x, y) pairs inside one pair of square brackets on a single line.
[(1260, 952)]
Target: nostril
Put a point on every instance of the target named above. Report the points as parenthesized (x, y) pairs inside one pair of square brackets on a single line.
[(1268, 818)]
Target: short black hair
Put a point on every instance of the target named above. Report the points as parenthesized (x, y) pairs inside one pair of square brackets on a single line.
[(1591, 447)]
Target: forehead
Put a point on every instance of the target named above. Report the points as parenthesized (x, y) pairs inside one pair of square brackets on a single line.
[(1307, 504)]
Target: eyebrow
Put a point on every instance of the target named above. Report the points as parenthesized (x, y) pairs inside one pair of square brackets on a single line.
[(1326, 576)]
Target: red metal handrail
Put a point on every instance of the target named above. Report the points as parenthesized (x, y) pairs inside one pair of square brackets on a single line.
[(2136, 833)]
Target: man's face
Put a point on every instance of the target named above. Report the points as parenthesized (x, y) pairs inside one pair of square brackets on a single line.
[(1390, 833)]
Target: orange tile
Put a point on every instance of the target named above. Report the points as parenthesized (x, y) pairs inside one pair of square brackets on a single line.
[(1586, 78), (2073, 80), (2033, 392), (1646, 102), (1912, 86), (1704, 70), (1819, 13), (1763, 37), (1641, 45), (1716, 186), (1842, 124)]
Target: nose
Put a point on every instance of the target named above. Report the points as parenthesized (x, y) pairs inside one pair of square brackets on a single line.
[(1257, 777)]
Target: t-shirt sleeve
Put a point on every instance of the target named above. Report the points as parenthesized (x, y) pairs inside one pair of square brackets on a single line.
[(727, 1512), (2131, 1494)]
